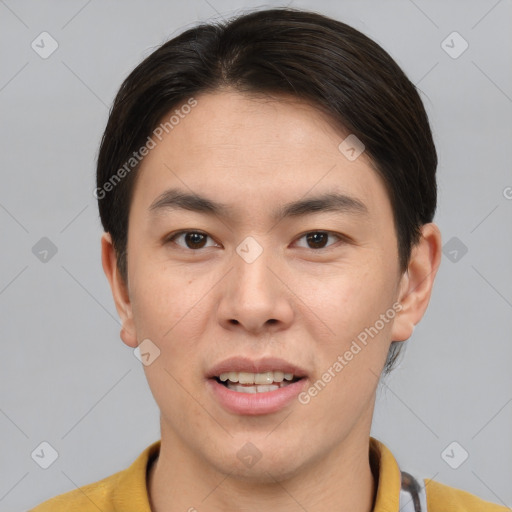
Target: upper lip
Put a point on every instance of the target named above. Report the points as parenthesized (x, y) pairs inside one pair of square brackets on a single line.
[(245, 364)]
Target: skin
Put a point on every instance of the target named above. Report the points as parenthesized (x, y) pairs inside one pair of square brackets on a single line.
[(295, 301)]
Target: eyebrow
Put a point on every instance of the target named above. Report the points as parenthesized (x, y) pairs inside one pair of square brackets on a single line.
[(176, 199)]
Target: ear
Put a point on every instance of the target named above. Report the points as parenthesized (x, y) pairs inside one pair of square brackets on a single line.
[(417, 281), (119, 290)]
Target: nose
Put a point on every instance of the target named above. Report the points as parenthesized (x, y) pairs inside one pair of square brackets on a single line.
[(255, 296)]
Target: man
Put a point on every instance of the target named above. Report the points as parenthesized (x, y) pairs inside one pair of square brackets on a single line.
[(267, 189)]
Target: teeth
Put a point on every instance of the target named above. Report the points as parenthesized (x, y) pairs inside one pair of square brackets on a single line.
[(246, 378), (265, 378), (279, 376), (256, 389)]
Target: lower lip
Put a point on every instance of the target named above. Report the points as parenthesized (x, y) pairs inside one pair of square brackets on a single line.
[(256, 403)]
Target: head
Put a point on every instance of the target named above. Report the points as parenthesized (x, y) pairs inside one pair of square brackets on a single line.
[(267, 189)]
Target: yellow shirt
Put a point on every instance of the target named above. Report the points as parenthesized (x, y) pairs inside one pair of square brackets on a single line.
[(126, 491)]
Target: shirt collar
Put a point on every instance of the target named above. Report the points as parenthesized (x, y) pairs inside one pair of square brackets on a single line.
[(387, 475)]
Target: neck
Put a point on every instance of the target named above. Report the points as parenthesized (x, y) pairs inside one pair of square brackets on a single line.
[(342, 480)]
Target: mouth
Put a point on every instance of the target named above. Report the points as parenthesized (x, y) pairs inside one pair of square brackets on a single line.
[(247, 382), (255, 387)]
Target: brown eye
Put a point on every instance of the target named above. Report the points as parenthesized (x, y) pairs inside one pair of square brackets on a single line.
[(193, 239), (318, 239)]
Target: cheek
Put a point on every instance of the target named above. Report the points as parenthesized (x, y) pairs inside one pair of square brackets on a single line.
[(348, 300), (166, 304), (351, 354), (168, 310)]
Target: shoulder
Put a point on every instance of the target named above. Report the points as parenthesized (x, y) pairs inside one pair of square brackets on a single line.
[(88, 498), (124, 491), (442, 498)]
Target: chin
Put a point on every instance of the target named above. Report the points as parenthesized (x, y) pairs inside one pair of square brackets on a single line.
[(251, 465), (263, 473)]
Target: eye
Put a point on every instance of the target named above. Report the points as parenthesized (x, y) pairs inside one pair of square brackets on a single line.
[(318, 239), (193, 239)]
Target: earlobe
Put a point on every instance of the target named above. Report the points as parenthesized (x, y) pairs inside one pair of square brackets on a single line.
[(417, 282), (119, 290)]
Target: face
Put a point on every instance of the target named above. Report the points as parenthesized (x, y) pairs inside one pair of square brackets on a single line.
[(290, 258)]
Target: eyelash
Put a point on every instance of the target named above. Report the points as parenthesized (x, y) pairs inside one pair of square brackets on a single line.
[(176, 235)]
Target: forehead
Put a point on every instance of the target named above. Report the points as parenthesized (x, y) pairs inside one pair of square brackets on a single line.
[(251, 151)]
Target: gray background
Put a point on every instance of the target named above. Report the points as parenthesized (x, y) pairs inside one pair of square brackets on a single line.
[(66, 377)]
